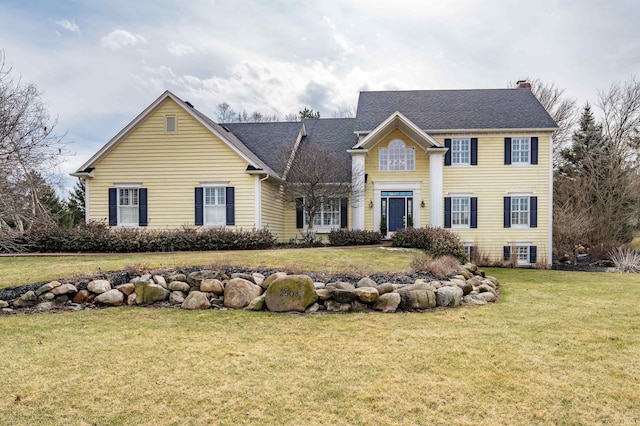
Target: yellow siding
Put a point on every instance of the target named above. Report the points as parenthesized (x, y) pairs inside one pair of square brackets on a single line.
[(491, 181), (272, 209), (170, 166), (421, 174)]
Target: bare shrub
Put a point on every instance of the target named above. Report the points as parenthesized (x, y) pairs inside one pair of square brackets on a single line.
[(626, 259), (441, 267), (137, 269)]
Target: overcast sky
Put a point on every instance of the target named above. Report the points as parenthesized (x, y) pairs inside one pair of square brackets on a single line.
[(100, 63)]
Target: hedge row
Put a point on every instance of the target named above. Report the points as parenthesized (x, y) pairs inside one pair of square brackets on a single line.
[(435, 241), (353, 237), (100, 238)]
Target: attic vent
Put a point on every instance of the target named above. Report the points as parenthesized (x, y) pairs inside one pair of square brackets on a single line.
[(226, 128), (189, 103)]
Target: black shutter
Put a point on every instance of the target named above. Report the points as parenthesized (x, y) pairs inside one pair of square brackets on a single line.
[(474, 151), (143, 219), (507, 212), (472, 250), (199, 207), (447, 155), (474, 212), (533, 212), (299, 213), (231, 206), (113, 207), (344, 208), (447, 212), (507, 252), (534, 150), (507, 150), (533, 254)]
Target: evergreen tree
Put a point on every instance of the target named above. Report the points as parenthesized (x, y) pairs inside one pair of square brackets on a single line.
[(308, 113), (588, 149), (75, 203)]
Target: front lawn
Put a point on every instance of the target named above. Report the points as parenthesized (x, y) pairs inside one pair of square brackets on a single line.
[(559, 348)]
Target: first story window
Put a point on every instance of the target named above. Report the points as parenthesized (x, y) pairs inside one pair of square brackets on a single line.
[(460, 208), (128, 206), (519, 211), (522, 255), (215, 206), (327, 216)]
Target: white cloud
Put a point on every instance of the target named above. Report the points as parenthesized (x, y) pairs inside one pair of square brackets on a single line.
[(70, 26), (179, 49), (118, 39)]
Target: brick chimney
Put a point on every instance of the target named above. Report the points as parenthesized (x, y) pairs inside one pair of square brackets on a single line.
[(523, 84)]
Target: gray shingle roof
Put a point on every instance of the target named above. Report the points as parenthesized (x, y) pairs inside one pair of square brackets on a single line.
[(268, 141), (455, 109)]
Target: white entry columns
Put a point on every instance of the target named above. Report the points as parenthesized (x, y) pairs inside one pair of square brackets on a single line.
[(435, 186), (357, 187)]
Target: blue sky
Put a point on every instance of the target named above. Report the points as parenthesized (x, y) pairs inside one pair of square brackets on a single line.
[(99, 63)]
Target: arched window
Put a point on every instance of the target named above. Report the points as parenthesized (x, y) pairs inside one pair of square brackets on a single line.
[(397, 157)]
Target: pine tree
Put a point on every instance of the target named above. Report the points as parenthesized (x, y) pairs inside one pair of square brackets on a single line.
[(588, 148), (75, 203)]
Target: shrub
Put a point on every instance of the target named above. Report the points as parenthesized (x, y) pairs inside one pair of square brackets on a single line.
[(626, 259), (440, 267), (435, 241), (353, 237)]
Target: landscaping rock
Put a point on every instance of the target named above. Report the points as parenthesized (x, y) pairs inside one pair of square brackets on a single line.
[(132, 299), (324, 293), (64, 289), (473, 299), (47, 287), (127, 288), (488, 297), (212, 285), (147, 293), (176, 277), (196, 300), (27, 300), (416, 299), (318, 285), (177, 297), (358, 306), (110, 298), (179, 286), (258, 278), (333, 306), (271, 278), (44, 306), (312, 309), (449, 296), (248, 277), (99, 286), (4, 304), (195, 278), (47, 296), (159, 279), (463, 285), (257, 304), (81, 296), (484, 288), (385, 288), (341, 285), (238, 293), (291, 293), (388, 302), (366, 282), (343, 296), (366, 294)]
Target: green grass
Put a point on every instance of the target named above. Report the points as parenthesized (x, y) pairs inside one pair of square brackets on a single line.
[(559, 348), (27, 269)]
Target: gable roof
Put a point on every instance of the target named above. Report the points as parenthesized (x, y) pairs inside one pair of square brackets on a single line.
[(269, 141), (431, 110), (398, 121), (228, 138)]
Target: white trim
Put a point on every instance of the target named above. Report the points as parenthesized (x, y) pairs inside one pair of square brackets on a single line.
[(550, 219), (358, 188), (467, 163), (127, 184), (302, 133), (436, 198), (363, 133), (520, 193), (166, 123), (460, 194), (379, 187), (258, 202), (398, 121), (209, 184), (86, 200), (119, 222), (468, 211)]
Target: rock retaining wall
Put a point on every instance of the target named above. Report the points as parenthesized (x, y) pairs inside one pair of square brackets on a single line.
[(277, 292)]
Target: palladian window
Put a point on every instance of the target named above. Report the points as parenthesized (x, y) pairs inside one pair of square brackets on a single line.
[(397, 157)]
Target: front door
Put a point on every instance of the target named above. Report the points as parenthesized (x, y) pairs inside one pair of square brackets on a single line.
[(396, 213)]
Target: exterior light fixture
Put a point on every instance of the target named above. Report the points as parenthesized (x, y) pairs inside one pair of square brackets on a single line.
[(422, 204), (370, 204)]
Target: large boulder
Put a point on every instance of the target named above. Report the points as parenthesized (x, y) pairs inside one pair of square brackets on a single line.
[(110, 298), (487, 296), (343, 296), (333, 306), (176, 297), (27, 300), (4, 304), (64, 289), (47, 287), (416, 299), (449, 296), (366, 294), (196, 300), (291, 293), (238, 293), (126, 288), (341, 285), (257, 304), (176, 277), (212, 285), (179, 286), (195, 278), (81, 296), (473, 299), (271, 278), (159, 279), (147, 293), (366, 282), (388, 302), (99, 286), (385, 288)]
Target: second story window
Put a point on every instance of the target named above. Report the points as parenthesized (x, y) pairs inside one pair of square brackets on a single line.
[(520, 150), (460, 152), (397, 157)]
